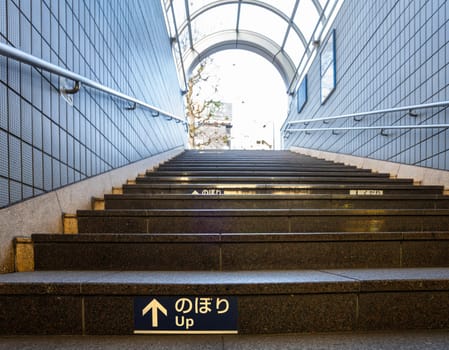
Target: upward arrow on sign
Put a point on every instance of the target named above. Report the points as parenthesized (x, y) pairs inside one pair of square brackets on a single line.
[(154, 306)]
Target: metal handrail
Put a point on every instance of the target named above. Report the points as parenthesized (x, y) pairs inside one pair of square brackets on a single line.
[(381, 127), (12, 52), (369, 113)]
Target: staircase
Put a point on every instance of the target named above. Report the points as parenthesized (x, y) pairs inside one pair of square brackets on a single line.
[(242, 242)]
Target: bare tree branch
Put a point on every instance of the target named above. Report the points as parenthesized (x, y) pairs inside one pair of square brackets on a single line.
[(201, 114)]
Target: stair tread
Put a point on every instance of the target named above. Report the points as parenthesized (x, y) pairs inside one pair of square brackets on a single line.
[(228, 282)]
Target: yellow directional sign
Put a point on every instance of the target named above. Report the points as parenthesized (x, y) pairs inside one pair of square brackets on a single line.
[(154, 306), (185, 315)]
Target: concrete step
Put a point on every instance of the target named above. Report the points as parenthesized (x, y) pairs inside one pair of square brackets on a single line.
[(270, 220), (264, 179), (113, 302), (188, 166), (240, 154), (216, 187), (257, 167), (237, 251), (272, 201), (273, 165), (273, 162), (246, 155), (264, 173), (386, 340)]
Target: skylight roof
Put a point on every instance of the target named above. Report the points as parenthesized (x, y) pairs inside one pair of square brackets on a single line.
[(282, 31)]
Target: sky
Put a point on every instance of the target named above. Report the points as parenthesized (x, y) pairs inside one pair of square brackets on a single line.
[(257, 93)]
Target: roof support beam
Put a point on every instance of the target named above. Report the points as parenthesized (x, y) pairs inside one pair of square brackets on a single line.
[(186, 4), (259, 3), (244, 40), (239, 8)]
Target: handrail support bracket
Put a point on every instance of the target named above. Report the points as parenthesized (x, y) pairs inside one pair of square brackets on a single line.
[(131, 107), (73, 90), (412, 114), (383, 132)]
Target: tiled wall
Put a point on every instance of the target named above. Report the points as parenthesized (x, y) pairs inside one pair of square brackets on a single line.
[(388, 54), (44, 142)]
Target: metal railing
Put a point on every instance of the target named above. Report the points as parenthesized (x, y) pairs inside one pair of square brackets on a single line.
[(12, 52), (361, 115)]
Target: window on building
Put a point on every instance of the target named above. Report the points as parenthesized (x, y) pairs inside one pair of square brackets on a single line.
[(328, 68), (302, 94)]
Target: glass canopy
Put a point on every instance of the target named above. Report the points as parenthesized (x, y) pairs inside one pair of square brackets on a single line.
[(286, 32)]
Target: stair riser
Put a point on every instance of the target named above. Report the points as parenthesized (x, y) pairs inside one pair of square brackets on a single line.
[(261, 173), (240, 255), (276, 313), (203, 202), (260, 189), (269, 180), (257, 167), (262, 224), (267, 161)]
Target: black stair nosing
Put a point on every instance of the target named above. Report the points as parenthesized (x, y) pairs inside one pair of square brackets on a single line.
[(238, 237)]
